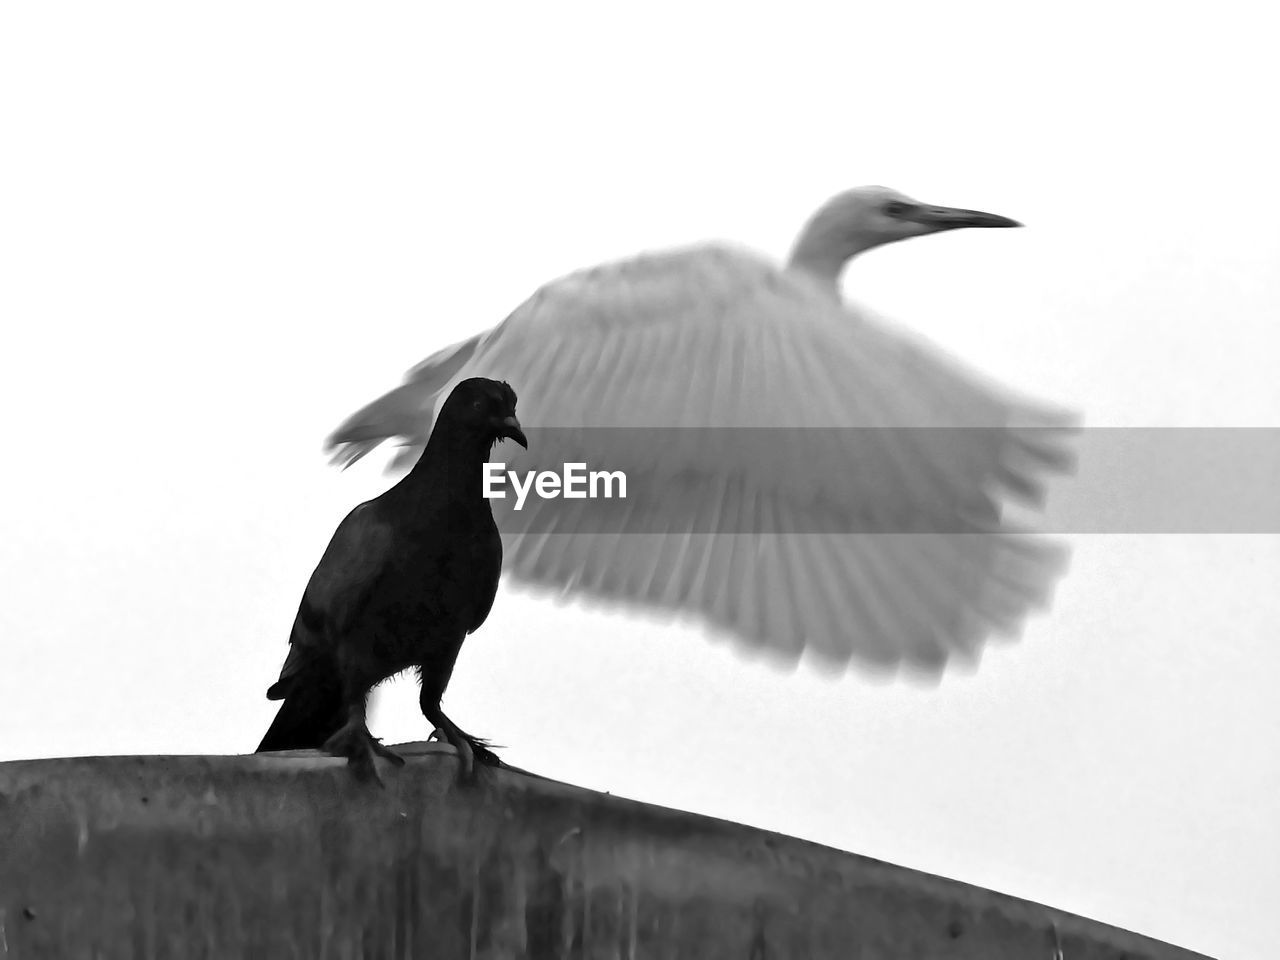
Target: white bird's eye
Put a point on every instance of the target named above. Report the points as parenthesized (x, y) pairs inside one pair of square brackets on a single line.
[(895, 208)]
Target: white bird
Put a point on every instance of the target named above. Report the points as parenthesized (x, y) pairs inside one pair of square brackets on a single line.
[(870, 541)]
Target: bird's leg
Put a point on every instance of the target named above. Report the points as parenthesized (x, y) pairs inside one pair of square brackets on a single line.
[(471, 750), (354, 741)]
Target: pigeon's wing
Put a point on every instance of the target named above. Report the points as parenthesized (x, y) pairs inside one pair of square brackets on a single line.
[(339, 589), (799, 472)]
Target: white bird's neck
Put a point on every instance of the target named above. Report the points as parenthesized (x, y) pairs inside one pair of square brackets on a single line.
[(825, 245), (820, 263)]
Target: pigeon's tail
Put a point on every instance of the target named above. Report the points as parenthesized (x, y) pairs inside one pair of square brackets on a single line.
[(312, 711), (407, 411)]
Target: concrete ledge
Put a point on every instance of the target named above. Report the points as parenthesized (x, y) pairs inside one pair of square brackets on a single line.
[(283, 855)]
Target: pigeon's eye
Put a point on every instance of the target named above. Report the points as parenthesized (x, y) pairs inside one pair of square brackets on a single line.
[(895, 208), (477, 404)]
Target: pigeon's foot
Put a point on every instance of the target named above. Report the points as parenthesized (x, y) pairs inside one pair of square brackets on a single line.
[(386, 753), (359, 747), (471, 750)]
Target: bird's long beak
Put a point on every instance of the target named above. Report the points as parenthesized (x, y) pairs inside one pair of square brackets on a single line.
[(953, 218), (510, 427)]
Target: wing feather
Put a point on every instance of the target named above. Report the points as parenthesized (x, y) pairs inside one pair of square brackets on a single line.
[(338, 590)]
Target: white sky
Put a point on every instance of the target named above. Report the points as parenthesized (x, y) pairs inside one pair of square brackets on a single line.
[(223, 228)]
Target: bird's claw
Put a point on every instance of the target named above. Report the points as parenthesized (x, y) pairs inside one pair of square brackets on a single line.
[(364, 770), (472, 751), (472, 754), (360, 747), (386, 752), (466, 758)]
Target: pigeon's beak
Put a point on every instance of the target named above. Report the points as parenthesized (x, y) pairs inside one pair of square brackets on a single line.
[(510, 428), (953, 218)]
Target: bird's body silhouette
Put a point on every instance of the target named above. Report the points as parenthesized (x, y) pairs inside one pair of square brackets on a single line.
[(403, 581), (916, 565)]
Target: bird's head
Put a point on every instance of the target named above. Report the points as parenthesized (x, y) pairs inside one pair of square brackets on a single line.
[(865, 217), (486, 409)]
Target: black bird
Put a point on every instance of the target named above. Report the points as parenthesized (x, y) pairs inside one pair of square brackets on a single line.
[(405, 578)]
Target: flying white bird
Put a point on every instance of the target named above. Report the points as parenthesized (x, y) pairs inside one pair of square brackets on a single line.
[(796, 477)]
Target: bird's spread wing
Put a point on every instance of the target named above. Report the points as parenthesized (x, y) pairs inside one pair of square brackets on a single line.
[(877, 600), (407, 411), (859, 435), (339, 587)]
